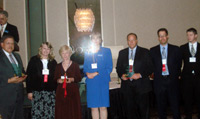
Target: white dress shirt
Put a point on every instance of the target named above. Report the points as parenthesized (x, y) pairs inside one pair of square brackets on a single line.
[(4, 27), (194, 45)]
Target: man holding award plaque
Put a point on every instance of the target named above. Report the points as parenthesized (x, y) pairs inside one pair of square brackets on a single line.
[(11, 78), (134, 66)]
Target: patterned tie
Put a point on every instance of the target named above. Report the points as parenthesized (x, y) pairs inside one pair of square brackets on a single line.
[(163, 53), (12, 59), (131, 55), (18, 71), (192, 51)]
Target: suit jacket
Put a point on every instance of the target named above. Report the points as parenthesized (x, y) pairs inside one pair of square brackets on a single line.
[(9, 93), (12, 30), (189, 67), (35, 79), (173, 63), (142, 65)]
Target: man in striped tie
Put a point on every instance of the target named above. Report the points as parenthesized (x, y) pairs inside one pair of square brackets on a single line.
[(191, 73), (167, 69), (11, 78)]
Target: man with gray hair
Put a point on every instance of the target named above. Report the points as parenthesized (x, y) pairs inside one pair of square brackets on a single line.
[(8, 29), (11, 78)]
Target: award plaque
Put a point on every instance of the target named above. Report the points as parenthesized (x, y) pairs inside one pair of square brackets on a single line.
[(18, 70)]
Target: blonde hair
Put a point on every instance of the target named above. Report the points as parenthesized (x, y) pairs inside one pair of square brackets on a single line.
[(65, 48), (51, 55)]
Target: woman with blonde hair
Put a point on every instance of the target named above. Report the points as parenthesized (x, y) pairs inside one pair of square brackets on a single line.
[(40, 82), (67, 75)]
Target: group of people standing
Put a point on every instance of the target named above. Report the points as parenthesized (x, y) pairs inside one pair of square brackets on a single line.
[(135, 66), (51, 87), (54, 92)]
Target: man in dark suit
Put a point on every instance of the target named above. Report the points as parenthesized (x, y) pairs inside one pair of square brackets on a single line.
[(134, 66), (11, 86), (8, 29), (191, 73), (167, 68)]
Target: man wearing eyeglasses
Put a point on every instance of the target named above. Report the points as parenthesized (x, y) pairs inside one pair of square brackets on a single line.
[(167, 68)]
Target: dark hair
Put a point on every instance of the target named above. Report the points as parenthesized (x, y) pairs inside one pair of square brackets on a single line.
[(162, 29), (4, 12), (192, 30), (6, 37), (131, 34)]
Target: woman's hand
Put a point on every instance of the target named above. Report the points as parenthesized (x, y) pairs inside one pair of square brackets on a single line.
[(92, 75), (70, 80), (60, 81), (30, 96)]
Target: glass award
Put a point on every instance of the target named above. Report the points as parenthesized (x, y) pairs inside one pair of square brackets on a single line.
[(129, 71)]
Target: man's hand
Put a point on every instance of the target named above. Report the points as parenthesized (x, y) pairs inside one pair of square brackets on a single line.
[(124, 77), (92, 75), (179, 77), (17, 79), (136, 76)]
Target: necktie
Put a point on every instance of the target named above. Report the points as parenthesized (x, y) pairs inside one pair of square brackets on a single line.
[(2, 30), (131, 55), (192, 51), (163, 53), (18, 71), (12, 59)]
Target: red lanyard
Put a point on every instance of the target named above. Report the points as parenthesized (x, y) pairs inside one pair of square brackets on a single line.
[(65, 85), (65, 81)]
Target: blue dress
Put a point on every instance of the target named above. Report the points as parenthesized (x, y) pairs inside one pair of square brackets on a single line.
[(98, 87)]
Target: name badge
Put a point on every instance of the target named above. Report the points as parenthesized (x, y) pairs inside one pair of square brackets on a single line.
[(163, 68), (164, 61), (131, 62), (45, 72), (94, 66), (192, 59), (63, 77)]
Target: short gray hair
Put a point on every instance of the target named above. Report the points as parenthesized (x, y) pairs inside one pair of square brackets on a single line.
[(4, 13)]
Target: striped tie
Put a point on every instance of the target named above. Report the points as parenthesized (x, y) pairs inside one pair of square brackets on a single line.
[(163, 53), (192, 51), (12, 59)]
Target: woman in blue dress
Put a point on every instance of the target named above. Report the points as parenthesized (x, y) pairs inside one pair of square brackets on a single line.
[(97, 67)]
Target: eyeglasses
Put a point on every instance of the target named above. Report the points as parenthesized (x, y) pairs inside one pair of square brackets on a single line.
[(162, 36)]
